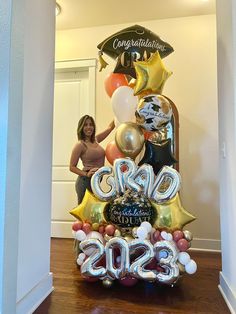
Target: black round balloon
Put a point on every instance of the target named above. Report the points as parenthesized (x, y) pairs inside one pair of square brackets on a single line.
[(134, 43), (130, 210)]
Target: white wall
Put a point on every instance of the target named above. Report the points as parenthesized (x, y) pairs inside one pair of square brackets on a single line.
[(36, 151), (193, 89), (27, 60), (226, 39), (11, 82), (34, 280)]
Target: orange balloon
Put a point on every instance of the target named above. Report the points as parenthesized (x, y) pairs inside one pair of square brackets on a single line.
[(147, 134), (113, 152), (113, 81)]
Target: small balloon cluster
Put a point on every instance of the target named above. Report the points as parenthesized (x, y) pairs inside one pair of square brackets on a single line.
[(131, 227)]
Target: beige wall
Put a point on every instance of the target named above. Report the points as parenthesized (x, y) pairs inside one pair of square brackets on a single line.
[(193, 89)]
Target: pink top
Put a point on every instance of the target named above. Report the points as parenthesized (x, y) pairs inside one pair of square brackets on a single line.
[(93, 156)]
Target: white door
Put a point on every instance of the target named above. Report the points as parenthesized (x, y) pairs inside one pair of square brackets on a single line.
[(72, 100)]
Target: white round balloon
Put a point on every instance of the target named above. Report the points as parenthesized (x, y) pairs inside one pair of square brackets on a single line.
[(80, 235), (146, 225), (124, 104), (184, 258), (191, 267), (142, 233)]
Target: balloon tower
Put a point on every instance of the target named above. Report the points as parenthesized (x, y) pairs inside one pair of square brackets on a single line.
[(131, 227)]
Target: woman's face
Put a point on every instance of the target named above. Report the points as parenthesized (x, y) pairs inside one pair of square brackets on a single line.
[(88, 128)]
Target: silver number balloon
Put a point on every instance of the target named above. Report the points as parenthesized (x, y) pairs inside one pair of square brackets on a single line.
[(144, 177), (96, 184), (168, 263), (137, 267), (174, 177), (88, 268), (122, 270)]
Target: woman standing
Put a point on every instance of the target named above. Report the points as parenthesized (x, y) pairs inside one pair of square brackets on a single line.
[(89, 151)]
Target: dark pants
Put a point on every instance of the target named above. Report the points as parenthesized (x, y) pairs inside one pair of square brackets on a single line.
[(81, 184)]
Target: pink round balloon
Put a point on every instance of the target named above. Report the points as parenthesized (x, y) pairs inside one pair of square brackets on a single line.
[(86, 227), (177, 235), (156, 235), (183, 245), (110, 230), (128, 281), (77, 225), (113, 152), (101, 229)]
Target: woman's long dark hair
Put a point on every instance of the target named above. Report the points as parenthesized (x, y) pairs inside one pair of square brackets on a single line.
[(80, 132)]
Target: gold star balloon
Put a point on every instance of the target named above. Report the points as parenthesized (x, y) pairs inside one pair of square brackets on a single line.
[(90, 210), (171, 215), (151, 75)]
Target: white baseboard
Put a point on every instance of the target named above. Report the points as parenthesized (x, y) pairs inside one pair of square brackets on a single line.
[(29, 303), (206, 245), (61, 229), (227, 293)]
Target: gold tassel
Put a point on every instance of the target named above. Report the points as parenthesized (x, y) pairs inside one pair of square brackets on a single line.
[(102, 62)]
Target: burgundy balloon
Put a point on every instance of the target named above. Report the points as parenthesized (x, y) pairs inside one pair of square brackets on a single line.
[(156, 235), (177, 235), (86, 227), (110, 230), (128, 281), (101, 229), (77, 225), (183, 245)]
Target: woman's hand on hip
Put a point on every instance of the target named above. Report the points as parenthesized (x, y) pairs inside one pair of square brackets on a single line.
[(91, 172)]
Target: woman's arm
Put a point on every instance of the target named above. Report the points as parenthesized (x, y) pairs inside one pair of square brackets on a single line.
[(101, 136), (74, 159)]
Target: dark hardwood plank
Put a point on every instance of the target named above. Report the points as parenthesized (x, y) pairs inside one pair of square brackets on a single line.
[(196, 293)]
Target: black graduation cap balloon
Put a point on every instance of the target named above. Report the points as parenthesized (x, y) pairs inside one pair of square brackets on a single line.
[(134, 43), (158, 155)]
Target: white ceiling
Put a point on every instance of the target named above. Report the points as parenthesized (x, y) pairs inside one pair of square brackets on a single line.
[(90, 13)]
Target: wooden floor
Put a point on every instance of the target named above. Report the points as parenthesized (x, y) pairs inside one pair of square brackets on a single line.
[(194, 294)]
